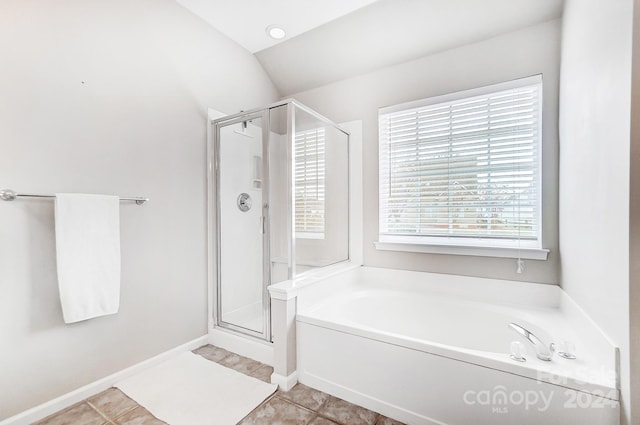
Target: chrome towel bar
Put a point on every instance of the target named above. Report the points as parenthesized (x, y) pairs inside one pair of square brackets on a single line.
[(10, 195)]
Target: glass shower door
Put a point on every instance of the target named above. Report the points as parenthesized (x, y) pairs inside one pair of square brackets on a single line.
[(242, 192)]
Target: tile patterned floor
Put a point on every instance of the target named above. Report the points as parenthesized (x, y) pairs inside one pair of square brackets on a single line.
[(300, 406)]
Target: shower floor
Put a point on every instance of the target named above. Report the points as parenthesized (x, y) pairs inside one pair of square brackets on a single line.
[(301, 405), (249, 317)]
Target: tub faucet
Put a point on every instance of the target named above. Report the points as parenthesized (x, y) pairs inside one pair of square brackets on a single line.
[(543, 352)]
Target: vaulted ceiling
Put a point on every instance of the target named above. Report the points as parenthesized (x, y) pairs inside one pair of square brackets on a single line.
[(331, 40)]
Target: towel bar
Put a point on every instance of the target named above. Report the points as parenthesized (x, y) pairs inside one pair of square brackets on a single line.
[(10, 195)]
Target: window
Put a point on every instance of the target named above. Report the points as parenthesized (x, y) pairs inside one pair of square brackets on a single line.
[(463, 169), (310, 183)]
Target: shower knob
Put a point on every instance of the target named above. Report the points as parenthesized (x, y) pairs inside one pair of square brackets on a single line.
[(244, 202)]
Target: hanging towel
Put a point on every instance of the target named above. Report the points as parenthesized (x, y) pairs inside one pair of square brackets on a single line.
[(88, 255)]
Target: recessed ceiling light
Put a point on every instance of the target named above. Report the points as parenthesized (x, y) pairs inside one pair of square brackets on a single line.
[(275, 32)]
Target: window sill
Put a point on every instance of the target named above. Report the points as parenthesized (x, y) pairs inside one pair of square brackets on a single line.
[(478, 251)]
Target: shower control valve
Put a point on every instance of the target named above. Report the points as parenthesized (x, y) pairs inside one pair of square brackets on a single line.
[(244, 202)]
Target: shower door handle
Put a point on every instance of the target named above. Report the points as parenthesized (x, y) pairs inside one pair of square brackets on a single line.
[(262, 220)]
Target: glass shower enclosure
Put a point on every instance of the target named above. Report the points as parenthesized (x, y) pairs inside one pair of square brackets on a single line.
[(279, 181)]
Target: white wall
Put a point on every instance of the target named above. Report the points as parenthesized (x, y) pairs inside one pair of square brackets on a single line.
[(513, 55), (107, 97), (594, 165)]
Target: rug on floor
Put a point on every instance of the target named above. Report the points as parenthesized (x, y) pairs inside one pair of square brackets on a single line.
[(190, 390)]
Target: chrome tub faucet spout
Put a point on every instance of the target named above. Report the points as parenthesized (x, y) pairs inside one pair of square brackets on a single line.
[(543, 351)]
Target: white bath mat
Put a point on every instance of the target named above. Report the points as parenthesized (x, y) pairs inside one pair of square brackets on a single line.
[(190, 390)]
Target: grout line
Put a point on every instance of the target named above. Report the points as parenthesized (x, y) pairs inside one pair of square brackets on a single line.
[(313, 418), (229, 354), (86, 401), (324, 402), (104, 415), (127, 411), (316, 411), (324, 416)]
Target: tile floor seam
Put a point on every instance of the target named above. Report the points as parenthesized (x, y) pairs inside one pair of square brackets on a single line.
[(339, 422), (334, 420), (86, 401), (299, 406), (295, 404), (313, 418), (256, 368), (322, 405), (132, 408), (220, 361), (108, 417)]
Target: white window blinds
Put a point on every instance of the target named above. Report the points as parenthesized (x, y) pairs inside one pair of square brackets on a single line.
[(310, 182), (463, 167)]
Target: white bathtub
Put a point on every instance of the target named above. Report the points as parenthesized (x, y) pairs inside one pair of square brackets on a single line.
[(434, 349)]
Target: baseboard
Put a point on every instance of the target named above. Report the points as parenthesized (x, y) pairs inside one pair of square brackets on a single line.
[(253, 348), (45, 409), (285, 383)]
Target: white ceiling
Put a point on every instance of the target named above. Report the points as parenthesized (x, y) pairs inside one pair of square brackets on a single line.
[(330, 40), (245, 21)]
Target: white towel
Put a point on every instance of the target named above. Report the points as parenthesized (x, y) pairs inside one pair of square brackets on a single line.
[(88, 255)]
